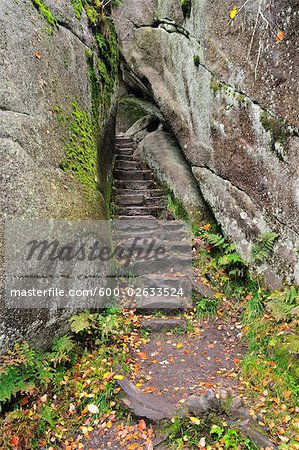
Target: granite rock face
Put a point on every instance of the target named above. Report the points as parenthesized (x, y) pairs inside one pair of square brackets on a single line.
[(228, 89), (48, 74)]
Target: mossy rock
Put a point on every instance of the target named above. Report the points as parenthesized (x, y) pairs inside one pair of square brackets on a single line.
[(131, 109)]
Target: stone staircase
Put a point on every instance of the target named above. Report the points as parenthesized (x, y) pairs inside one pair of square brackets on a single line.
[(139, 201), (136, 191)]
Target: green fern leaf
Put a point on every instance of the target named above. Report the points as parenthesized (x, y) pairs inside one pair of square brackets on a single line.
[(81, 322)]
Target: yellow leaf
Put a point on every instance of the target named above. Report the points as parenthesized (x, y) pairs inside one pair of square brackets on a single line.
[(109, 424), (118, 377), (233, 12), (194, 420), (179, 345)]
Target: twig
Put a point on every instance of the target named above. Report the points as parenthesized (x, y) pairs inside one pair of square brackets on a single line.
[(264, 18), (254, 30), (258, 60)]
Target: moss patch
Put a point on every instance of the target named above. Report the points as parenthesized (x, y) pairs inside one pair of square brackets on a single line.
[(81, 152), (45, 12), (279, 130), (196, 60), (78, 8), (215, 85), (186, 7)]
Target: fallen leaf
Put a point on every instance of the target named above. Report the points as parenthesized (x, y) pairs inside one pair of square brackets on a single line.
[(194, 420), (37, 55), (118, 377), (142, 355), (233, 12), (142, 425), (93, 409), (280, 36), (14, 441)]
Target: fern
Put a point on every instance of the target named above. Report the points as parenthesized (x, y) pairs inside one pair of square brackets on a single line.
[(284, 305), (62, 350), (264, 246), (216, 240), (81, 322)]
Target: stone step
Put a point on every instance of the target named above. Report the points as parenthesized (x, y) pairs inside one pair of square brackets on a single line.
[(135, 184), (139, 200), (126, 218), (165, 324), (125, 157), (129, 199), (177, 264), (124, 152), (132, 174), (123, 138), (145, 192), (124, 149), (121, 164), (165, 303), (139, 210)]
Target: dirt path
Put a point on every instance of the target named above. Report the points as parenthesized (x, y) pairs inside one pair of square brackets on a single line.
[(175, 366)]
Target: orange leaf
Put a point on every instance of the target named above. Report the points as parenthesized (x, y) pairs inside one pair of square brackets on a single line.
[(37, 55), (142, 425), (133, 447), (24, 401), (14, 441), (142, 355), (280, 36)]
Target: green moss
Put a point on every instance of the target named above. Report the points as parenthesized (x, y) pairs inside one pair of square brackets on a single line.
[(215, 85), (45, 12), (94, 83), (81, 152), (176, 208), (78, 8), (59, 115), (186, 7), (92, 13), (196, 60), (277, 127)]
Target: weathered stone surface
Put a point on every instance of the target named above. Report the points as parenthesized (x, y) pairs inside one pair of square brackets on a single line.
[(140, 129), (164, 156), (44, 70), (145, 405), (202, 405), (227, 108)]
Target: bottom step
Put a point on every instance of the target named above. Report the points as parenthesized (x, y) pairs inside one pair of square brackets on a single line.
[(158, 325)]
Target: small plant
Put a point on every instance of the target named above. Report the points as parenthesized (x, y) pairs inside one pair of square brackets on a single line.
[(45, 12), (196, 60), (186, 7), (228, 259), (176, 208), (278, 128), (284, 305), (206, 307), (263, 247)]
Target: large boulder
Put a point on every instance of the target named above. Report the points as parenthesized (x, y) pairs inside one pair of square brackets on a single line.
[(56, 104), (228, 89), (164, 156)]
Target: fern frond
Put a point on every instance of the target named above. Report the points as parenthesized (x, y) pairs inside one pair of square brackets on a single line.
[(62, 349), (81, 322), (264, 246)]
